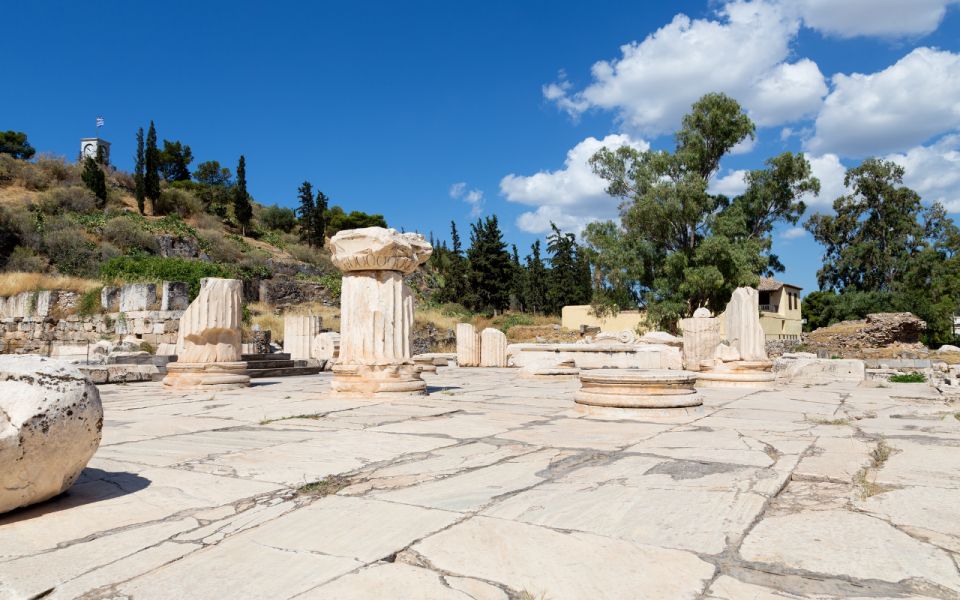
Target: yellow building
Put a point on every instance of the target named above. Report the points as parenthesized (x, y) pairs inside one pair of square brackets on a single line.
[(780, 309), (779, 313)]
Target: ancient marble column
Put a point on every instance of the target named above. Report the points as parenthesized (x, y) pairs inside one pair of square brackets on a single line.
[(209, 340), (743, 329), (298, 334), (376, 316), (493, 348), (468, 345), (701, 336)]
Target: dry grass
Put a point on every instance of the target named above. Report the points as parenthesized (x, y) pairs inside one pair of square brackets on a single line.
[(436, 318), (15, 283), (270, 319), (951, 358)]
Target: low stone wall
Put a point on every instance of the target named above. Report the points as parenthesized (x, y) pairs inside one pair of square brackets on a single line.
[(39, 322)]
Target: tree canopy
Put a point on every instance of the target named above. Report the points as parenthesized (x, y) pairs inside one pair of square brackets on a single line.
[(16, 145), (679, 246)]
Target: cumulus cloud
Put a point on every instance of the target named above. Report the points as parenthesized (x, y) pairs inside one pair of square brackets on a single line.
[(885, 18), (571, 196), (742, 52), (474, 198), (890, 110), (830, 171), (793, 233), (934, 171), (732, 184)]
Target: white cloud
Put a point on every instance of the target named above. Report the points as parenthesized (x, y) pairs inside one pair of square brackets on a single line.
[(934, 171), (732, 184), (893, 109), (474, 198), (793, 233), (571, 196), (830, 171), (742, 53), (885, 18)]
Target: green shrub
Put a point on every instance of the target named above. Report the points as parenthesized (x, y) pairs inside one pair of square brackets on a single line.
[(221, 248), (144, 268), (10, 169), (26, 260), (908, 378), (278, 218), (453, 309), (89, 303), (274, 238), (129, 236), (513, 320), (177, 201), (70, 253), (71, 199), (313, 256)]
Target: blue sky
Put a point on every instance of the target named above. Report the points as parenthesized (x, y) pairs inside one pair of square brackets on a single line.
[(432, 111)]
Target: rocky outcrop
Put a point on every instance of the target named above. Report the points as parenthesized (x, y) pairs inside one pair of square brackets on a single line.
[(287, 291), (50, 424), (878, 330)]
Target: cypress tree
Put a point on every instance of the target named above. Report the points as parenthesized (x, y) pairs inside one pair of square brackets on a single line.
[(306, 211), (489, 267), (138, 171), (95, 180), (456, 275), (562, 284), (516, 280), (320, 219), (242, 209), (151, 175), (536, 280)]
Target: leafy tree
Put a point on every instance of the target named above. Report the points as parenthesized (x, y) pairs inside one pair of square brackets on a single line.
[(319, 220), (95, 180), (210, 173), (306, 212), (489, 267), (885, 251), (242, 208), (175, 159), (565, 283), (278, 218), (535, 288), (151, 174), (338, 220), (16, 145), (139, 187), (691, 248)]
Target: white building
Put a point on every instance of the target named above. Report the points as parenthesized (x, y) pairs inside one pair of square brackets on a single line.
[(89, 147)]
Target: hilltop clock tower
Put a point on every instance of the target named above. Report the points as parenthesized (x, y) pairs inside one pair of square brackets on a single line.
[(89, 147)]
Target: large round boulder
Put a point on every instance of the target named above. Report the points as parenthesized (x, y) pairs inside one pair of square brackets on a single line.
[(50, 423)]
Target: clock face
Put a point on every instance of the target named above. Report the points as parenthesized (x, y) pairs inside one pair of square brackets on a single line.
[(88, 150)]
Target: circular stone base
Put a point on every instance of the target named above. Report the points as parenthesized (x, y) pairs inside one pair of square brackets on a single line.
[(613, 413), (739, 374), (638, 389), (377, 380), (207, 376)]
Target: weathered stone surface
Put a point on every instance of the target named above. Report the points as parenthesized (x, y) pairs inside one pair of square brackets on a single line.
[(50, 422), (646, 390), (209, 336), (743, 329), (468, 345), (577, 565), (878, 330), (138, 296), (493, 348), (388, 581), (298, 334), (326, 346), (110, 298), (847, 544), (174, 295), (540, 358), (376, 311), (818, 371), (701, 336)]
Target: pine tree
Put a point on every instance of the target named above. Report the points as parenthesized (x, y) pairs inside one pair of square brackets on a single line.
[(95, 180), (569, 280), (455, 289), (516, 280), (138, 180), (306, 211), (535, 284), (151, 175), (242, 208), (319, 220), (489, 267)]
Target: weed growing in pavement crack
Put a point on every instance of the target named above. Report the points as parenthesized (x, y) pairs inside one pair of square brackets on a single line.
[(324, 487)]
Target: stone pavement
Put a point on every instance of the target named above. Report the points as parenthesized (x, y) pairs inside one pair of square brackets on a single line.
[(493, 487)]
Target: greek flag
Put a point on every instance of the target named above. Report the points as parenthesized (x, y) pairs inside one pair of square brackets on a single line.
[(99, 121)]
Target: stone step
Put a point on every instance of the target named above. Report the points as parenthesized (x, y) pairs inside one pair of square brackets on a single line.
[(283, 372), (270, 364), (273, 356)]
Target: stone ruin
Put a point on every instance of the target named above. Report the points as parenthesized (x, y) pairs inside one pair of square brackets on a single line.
[(741, 363), (376, 317), (50, 426), (209, 336), (620, 393), (468, 345)]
